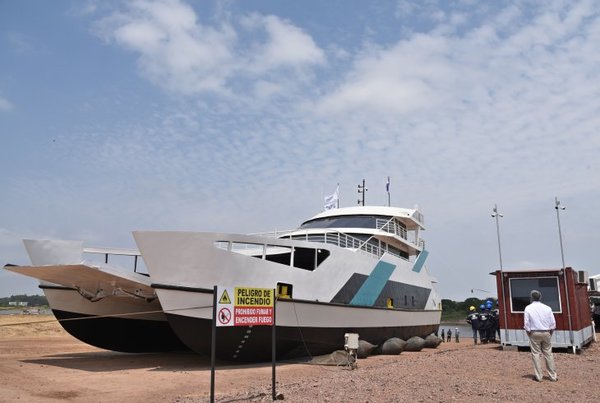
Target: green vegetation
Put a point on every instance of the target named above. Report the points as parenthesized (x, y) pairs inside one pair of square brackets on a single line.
[(32, 300), (453, 311)]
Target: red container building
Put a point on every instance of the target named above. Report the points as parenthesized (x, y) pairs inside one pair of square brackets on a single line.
[(564, 290)]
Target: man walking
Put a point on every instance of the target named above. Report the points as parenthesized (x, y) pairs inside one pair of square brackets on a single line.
[(539, 325)]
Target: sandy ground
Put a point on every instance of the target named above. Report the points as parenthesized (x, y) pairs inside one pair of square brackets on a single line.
[(41, 363)]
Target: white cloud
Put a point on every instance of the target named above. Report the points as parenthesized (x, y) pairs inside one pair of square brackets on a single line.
[(5, 105), (287, 45), (394, 80), (176, 51), (185, 56)]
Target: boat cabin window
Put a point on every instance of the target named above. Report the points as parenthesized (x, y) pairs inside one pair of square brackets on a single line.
[(396, 252), (520, 288), (309, 258), (299, 257), (284, 290), (279, 254), (356, 221)]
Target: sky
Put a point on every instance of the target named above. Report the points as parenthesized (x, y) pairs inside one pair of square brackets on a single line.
[(241, 116)]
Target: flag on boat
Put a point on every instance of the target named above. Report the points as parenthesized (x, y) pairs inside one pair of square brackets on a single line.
[(387, 185), (331, 201)]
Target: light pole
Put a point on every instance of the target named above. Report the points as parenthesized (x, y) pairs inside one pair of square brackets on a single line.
[(496, 214), (558, 207)]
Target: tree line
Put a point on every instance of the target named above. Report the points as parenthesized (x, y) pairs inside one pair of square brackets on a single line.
[(32, 300), (453, 310)]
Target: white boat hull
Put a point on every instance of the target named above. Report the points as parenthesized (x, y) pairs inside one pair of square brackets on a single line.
[(185, 267)]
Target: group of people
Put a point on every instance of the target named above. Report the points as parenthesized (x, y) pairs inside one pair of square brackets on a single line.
[(447, 336), (484, 323)]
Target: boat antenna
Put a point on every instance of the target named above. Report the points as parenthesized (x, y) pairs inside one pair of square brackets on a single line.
[(362, 189)]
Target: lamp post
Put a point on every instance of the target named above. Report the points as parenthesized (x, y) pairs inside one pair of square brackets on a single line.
[(497, 215), (558, 207)]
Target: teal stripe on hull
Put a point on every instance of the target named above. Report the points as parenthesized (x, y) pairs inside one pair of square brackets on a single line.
[(373, 285), (420, 261)]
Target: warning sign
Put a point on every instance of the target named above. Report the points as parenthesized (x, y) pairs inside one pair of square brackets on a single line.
[(253, 296), (224, 316), (251, 306), (224, 298)]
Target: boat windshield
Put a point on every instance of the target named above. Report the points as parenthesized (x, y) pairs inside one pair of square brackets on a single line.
[(355, 221)]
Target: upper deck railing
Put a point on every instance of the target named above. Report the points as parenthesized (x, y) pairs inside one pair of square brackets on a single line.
[(343, 240), (106, 252), (392, 227)]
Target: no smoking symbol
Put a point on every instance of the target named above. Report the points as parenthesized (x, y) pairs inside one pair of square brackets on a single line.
[(224, 316)]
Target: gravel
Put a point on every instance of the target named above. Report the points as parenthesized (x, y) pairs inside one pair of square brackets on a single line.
[(452, 372)]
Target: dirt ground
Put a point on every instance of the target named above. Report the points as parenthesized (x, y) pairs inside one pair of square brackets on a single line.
[(41, 363)]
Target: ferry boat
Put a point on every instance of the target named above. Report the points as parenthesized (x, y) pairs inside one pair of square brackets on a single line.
[(99, 304), (346, 270)]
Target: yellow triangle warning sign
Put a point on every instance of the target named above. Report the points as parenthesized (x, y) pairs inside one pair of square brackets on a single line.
[(225, 298)]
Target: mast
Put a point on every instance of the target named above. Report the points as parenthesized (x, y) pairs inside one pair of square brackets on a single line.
[(362, 189)]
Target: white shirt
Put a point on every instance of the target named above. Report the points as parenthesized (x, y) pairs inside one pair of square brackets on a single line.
[(539, 316)]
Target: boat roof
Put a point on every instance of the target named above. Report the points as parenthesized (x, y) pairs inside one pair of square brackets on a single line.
[(404, 214), (535, 270)]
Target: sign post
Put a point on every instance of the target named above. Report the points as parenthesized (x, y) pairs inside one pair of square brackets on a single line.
[(213, 344), (242, 306), (273, 352)]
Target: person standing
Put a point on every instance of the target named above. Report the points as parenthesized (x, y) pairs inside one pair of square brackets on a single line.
[(449, 333), (456, 335), (597, 316), (473, 320), (491, 325), (496, 314), (539, 325), (483, 324), (443, 336)]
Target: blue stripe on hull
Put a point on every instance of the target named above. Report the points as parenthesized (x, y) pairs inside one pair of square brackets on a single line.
[(420, 261), (373, 285)]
